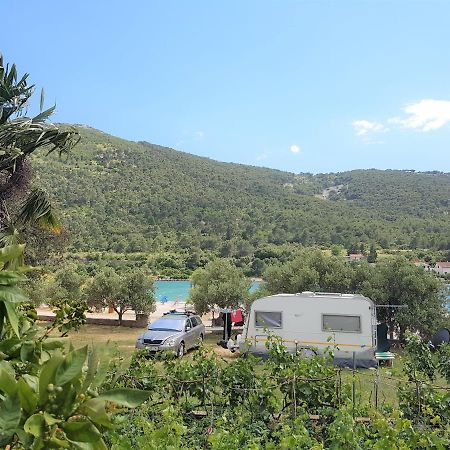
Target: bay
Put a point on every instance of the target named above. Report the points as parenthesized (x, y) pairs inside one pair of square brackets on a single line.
[(171, 290)]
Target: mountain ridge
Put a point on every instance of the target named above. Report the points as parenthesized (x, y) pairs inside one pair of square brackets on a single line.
[(127, 196)]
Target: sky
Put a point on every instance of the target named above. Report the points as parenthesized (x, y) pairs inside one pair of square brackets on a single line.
[(303, 86)]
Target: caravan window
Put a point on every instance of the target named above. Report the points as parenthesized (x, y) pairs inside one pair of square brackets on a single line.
[(268, 319), (338, 322)]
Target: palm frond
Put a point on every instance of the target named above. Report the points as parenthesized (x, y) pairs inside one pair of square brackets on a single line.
[(30, 135), (37, 209)]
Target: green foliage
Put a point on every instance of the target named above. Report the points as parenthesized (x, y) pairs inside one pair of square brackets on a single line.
[(312, 270), (219, 283), (130, 289), (420, 364), (185, 204), (392, 281), (395, 281), (21, 136), (246, 403), (373, 255), (137, 291), (47, 399)]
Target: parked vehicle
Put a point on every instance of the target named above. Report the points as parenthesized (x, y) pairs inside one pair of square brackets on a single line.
[(176, 331), (315, 321)]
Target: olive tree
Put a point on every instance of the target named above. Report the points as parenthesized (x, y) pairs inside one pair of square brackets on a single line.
[(396, 282), (219, 283), (310, 270), (131, 290)]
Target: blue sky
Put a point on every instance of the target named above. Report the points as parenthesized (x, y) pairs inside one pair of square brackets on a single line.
[(303, 86)]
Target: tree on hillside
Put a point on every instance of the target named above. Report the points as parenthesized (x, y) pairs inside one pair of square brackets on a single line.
[(219, 283), (337, 250), (373, 255), (132, 290), (312, 270), (397, 282), (21, 136)]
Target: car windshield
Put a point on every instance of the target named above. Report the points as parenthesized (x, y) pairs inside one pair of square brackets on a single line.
[(167, 325)]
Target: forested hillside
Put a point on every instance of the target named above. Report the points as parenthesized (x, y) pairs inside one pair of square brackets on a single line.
[(123, 196)]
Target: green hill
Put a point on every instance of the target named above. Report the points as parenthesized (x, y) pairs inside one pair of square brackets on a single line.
[(122, 196)]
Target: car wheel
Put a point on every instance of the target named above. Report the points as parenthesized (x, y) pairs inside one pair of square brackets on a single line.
[(181, 350)]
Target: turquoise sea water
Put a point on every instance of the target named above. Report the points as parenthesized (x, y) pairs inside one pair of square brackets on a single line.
[(179, 290)]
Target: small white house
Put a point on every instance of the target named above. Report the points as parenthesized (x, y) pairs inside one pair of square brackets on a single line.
[(352, 257), (442, 267), (346, 323)]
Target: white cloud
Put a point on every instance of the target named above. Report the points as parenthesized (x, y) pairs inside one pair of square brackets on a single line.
[(365, 127), (425, 115), (199, 134), (294, 148)]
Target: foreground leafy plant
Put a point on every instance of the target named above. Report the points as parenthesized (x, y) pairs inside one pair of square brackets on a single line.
[(49, 398)]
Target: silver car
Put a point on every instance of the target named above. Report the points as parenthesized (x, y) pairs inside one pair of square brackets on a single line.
[(174, 331)]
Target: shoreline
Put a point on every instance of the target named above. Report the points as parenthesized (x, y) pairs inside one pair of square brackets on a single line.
[(252, 279)]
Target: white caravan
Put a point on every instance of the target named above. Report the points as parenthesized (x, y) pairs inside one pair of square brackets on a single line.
[(346, 323)]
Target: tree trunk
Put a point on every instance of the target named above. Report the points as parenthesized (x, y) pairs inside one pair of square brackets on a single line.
[(120, 314)]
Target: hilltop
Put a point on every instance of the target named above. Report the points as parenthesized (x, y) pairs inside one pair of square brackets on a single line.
[(122, 196)]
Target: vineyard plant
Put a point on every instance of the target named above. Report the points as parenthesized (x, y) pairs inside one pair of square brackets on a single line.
[(285, 402)]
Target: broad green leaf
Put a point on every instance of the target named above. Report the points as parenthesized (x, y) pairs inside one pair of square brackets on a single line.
[(10, 345), (7, 380), (11, 294), (35, 425), (8, 368), (28, 398), (11, 252), (26, 351), (84, 435), (58, 443), (94, 408), (32, 381), (71, 367), (27, 440), (50, 420), (47, 376), (12, 316), (93, 360), (10, 278), (101, 374), (125, 397), (10, 413), (53, 343)]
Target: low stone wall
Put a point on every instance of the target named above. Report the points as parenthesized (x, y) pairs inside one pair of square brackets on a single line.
[(104, 321)]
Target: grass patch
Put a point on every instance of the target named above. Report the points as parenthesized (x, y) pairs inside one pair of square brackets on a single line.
[(122, 340)]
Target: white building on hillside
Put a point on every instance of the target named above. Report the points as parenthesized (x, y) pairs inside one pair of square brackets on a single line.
[(442, 267)]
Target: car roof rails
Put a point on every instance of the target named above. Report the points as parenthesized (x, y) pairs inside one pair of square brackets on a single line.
[(173, 312)]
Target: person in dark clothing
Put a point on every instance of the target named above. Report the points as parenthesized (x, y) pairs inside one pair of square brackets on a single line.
[(226, 317)]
